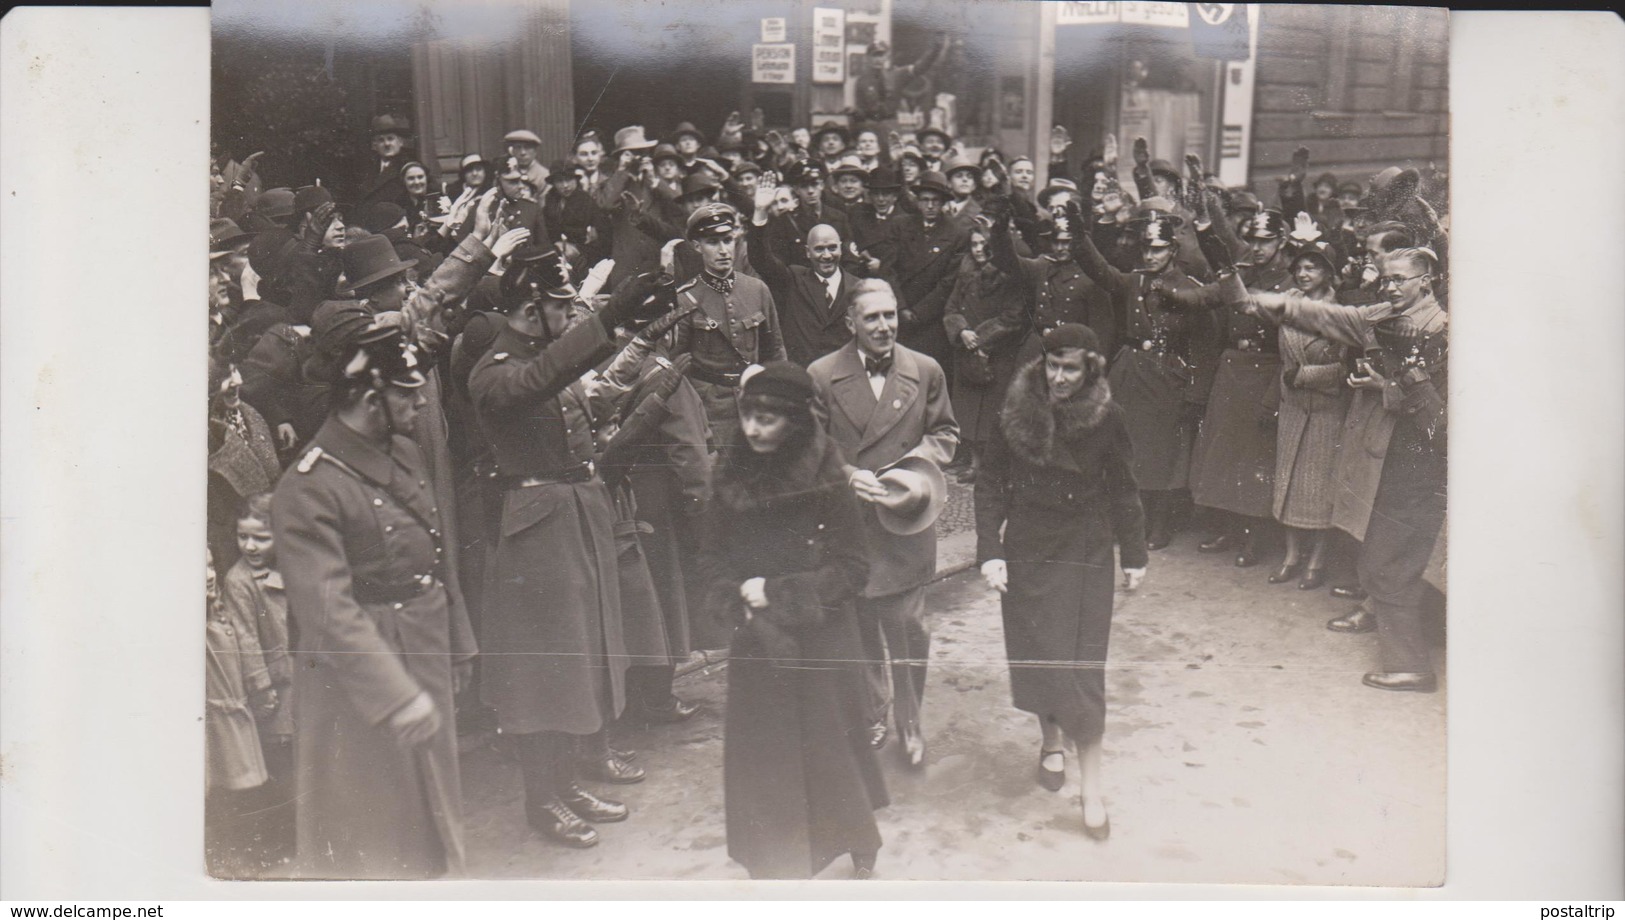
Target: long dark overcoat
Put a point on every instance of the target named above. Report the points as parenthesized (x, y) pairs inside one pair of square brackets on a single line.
[(347, 545), (552, 621), (1233, 463), (1060, 481), (994, 306), (801, 782)]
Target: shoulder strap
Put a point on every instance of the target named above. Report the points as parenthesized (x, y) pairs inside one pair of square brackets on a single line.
[(317, 454)]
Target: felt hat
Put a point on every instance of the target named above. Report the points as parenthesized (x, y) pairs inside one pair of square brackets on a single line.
[(275, 204), (368, 260), (698, 182), (921, 135), (884, 179), (926, 491), (849, 166), (391, 124), (378, 216), (935, 183), (469, 161), (224, 234), (956, 163), (687, 127), (631, 138), (830, 127), (665, 152)]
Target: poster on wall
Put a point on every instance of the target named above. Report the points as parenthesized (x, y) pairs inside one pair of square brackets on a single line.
[(829, 45), (774, 30), (773, 63)]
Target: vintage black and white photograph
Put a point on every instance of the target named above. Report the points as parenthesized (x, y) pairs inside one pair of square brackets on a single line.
[(852, 439)]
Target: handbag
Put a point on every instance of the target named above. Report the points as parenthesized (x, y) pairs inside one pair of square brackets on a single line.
[(975, 367)]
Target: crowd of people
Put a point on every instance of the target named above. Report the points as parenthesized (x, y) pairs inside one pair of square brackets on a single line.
[(505, 450)]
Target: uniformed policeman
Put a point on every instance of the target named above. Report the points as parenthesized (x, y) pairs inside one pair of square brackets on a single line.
[(552, 621), (1234, 449), (1158, 377), (381, 647), (1061, 292), (736, 324)]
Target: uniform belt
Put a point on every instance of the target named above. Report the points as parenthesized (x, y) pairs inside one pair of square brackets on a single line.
[(366, 593), (717, 377), (581, 472)]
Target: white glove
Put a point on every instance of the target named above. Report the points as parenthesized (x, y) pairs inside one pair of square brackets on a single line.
[(596, 278), (754, 593), (997, 574), (1132, 579)]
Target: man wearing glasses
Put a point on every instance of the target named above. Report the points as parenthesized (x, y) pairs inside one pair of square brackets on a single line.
[(1391, 473)]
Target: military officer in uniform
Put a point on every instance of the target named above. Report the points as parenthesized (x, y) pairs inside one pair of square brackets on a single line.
[(381, 646), (1061, 292), (1158, 376), (736, 324), (1234, 474), (552, 620)]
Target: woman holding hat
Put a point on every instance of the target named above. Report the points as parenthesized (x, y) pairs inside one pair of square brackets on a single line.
[(382, 646), (1058, 479), (783, 563)]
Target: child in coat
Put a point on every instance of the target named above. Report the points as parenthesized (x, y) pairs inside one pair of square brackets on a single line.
[(255, 604), (236, 684)]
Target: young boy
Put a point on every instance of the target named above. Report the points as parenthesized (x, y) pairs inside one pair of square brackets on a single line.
[(236, 772), (256, 605)]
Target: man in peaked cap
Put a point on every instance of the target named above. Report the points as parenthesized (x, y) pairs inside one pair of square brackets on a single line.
[(376, 767), (736, 323), (392, 150)]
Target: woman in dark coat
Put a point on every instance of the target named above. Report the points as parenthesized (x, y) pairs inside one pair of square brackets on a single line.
[(1060, 474), (783, 561), (986, 319)]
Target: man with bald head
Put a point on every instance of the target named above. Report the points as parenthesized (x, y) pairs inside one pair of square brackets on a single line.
[(812, 298)]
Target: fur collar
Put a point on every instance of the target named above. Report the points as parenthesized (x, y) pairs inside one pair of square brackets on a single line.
[(1031, 424), (746, 481)]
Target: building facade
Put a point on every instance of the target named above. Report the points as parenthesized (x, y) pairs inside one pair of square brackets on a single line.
[(1363, 87)]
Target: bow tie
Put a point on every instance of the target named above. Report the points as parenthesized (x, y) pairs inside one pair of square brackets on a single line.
[(877, 367), (720, 285)]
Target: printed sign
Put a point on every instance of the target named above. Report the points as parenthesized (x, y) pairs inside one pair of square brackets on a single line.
[(774, 30), (829, 45), (1169, 15), (1084, 14), (773, 63)]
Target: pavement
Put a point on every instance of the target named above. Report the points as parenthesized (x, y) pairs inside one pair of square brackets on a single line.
[(1241, 747)]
